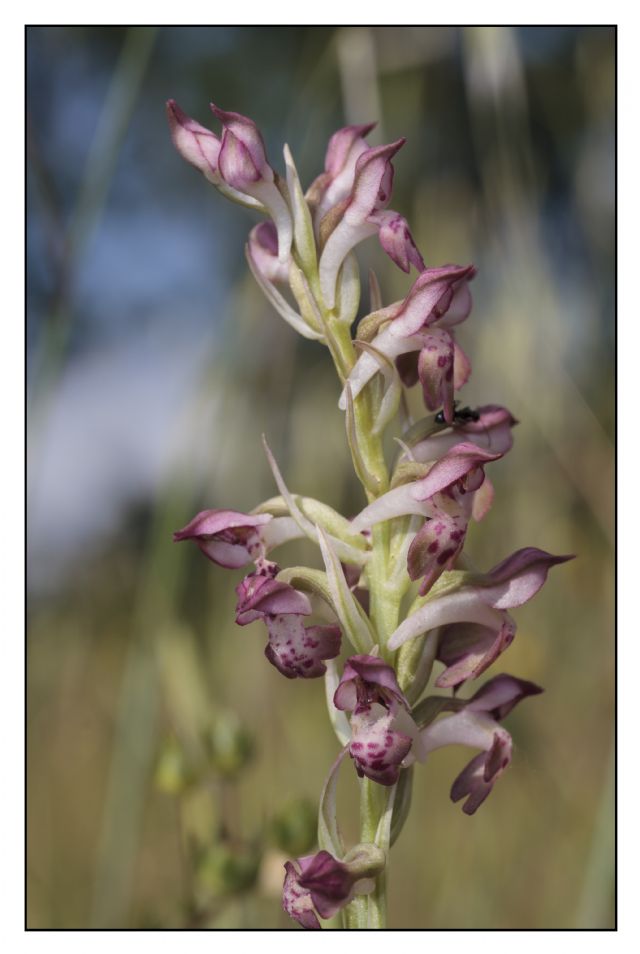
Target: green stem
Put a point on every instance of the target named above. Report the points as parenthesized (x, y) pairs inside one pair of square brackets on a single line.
[(376, 802)]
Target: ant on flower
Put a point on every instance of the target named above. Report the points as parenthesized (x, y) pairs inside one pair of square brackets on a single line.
[(462, 416)]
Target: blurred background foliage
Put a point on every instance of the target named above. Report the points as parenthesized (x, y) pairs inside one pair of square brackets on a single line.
[(170, 768)]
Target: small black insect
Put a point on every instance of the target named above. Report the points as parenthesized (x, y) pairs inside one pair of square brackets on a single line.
[(462, 416)]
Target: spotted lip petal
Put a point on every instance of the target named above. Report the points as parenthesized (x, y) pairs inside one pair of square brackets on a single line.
[(435, 547), (296, 901), (294, 649), (299, 651), (377, 749)]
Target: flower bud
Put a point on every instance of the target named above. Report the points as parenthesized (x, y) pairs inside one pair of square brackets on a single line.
[(230, 745), (295, 827), (172, 774), (227, 869)]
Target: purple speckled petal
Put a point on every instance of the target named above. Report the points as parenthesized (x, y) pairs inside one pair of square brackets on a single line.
[(435, 547), (501, 694), (376, 748), (478, 778), (457, 466), (397, 241), (468, 649), (298, 650), (296, 901), (226, 537), (260, 596), (518, 578), (368, 679), (435, 371)]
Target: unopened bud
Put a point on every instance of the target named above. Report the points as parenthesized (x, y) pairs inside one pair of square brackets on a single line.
[(230, 745), (294, 828)]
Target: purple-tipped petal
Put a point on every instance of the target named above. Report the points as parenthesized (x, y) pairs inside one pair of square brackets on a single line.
[(227, 537), (397, 241), (260, 596), (459, 466), (329, 882), (376, 748), (371, 193), (198, 145), (243, 159), (336, 182), (468, 649), (478, 778), (368, 679), (342, 145), (501, 694), (518, 578), (373, 182), (296, 900), (432, 295)]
